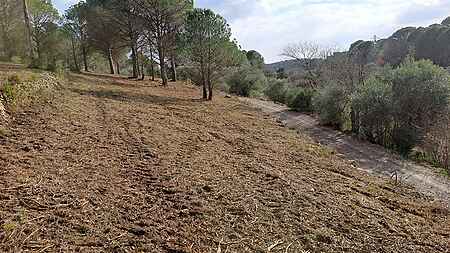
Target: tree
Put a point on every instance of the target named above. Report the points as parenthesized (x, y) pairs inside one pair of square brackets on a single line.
[(28, 28), (255, 59), (309, 54), (209, 47), (103, 34), (76, 23), (43, 17), (420, 92), (9, 22), (163, 19)]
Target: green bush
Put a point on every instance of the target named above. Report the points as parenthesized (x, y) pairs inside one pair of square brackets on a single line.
[(276, 90), (8, 93), (331, 106), (421, 92), (372, 105), (247, 82), (300, 99)]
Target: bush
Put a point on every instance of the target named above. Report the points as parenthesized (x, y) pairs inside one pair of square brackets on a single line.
[(8, 93), (276, 90), (300, 99), (247, 82), (14, 79), (328, 102), (372, 105), (421, 91)]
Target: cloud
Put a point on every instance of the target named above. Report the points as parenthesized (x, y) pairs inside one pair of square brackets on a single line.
[(268, 25)]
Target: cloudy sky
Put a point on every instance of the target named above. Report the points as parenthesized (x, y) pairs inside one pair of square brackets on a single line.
[(268, 25)]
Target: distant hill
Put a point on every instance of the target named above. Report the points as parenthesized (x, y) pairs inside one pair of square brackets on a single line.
[(287, 65)]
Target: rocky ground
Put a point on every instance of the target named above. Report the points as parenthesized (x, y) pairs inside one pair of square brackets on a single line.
[(123, 166)]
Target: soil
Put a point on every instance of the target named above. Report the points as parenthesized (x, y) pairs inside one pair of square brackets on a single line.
[(365, 156), (115, 165)]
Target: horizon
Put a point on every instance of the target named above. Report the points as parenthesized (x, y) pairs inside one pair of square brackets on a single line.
[(285, 21)]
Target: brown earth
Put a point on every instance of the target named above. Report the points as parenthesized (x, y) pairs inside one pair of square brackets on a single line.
[(120, 166), (365, 156)]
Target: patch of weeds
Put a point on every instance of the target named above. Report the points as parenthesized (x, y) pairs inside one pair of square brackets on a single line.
[(14, 79), (9, 93), (3, 132), (445, 172), (9, 227), (82, 229), (22, 216)]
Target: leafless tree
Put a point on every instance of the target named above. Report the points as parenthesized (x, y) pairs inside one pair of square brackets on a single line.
[(309, 55)]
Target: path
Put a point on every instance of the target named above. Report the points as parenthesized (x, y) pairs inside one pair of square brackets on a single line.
[(368, 157)]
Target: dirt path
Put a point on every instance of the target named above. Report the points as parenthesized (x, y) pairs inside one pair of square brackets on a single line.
[(366, 156), (114, 165)]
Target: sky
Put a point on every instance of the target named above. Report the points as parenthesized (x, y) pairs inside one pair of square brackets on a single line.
[(269, 25)]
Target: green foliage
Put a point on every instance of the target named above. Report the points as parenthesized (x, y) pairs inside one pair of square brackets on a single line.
[(276, 90), (421, 91), (209, 46), (300, 99), (255, 59), (330, 106), (9, 93), (372, 104), (281, 73), (247, 82)]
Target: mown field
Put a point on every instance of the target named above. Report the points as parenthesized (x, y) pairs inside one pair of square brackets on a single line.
[(123, 166)]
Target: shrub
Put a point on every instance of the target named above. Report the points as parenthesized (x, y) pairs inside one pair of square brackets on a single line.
[(328, 102), (300, 99), (14, 79), (372, 105), (16, 59), (8, 93), (247, 82), (421, 91), (276, 90)]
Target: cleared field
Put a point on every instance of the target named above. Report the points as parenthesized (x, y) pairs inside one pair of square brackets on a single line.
[(123, 166)]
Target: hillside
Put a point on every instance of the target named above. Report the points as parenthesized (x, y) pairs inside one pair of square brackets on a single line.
[(124, 166), (287, 65)]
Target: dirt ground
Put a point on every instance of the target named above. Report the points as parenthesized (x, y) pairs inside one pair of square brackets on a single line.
[(365, 156), (112, 165)]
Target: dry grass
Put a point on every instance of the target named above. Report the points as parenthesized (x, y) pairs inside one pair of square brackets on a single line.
[(120, 166)]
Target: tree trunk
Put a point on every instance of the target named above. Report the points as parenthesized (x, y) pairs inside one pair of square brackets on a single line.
[(174, 69), (85, 62), (134, 59), (117, 67), (143, 71), (74, 52), (111, 62), (162, 65), (28, 28), (152, 66), (210, 89), (205, 91)]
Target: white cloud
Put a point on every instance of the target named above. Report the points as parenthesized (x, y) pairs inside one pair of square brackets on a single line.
[(268, 25)]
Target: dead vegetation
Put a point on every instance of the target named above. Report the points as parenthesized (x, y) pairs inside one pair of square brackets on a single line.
[(135, 167)]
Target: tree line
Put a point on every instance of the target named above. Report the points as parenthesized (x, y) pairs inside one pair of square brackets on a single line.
[(134, 37)]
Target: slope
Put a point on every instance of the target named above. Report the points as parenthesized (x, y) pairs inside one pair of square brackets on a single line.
[(119, 166)]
